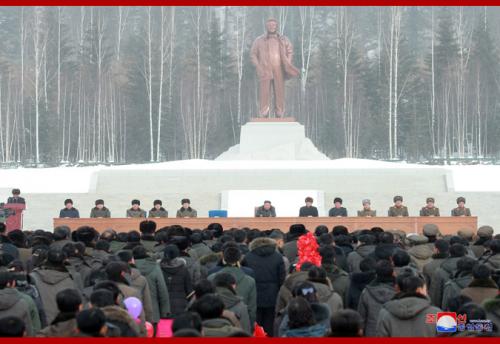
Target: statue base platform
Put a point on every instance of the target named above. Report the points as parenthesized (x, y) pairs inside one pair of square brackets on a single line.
[(273, 139)]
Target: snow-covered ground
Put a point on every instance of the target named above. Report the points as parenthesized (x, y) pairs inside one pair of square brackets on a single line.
[(476, 178)]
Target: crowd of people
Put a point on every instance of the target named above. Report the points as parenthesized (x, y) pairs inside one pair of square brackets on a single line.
[(241, 282)]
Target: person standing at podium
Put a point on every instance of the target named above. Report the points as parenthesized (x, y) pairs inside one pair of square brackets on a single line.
[(16, 199), (68, 211), (308, 210)]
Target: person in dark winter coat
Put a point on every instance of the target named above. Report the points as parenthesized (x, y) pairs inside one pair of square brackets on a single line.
[(265, 210), (324, 290), (147, 229), (290, 249), (461, 279), (492, 258), (225, 287), (321, 312), (77, 261), (338, 210), (69, 303), (308, 210), (135, 210), (245, 285), (484, 234), (375, 295), (338, 277), (301, 322), (366, 246), (192, 264), (51, 279), (186, 210), (444, 273), (269, 270), (441, 252), (420, 252), (150, 269), (492, 308), (405, 315), (430, 209), (68, 211), (100, 210), (482, 286), (198, 246), (177, 279), (359, 280), (210, 307), (461, 210), (158, 211), (398, 209), (346, 323), (12, 303)]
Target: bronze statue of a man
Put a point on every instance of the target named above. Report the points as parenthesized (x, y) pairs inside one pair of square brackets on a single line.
[(271, 55)]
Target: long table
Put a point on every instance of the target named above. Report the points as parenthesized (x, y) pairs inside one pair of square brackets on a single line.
[(447, 225)]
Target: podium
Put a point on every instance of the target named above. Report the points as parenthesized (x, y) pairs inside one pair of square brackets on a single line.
[(15, 220)]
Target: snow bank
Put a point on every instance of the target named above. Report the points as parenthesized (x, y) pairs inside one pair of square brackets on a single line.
[(81, 179)]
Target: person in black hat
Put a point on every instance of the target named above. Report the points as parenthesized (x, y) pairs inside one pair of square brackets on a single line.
[(186, 210), (266, 210), (16, 199), (136, 211), (430, 209), (398, 209), (68, 211), (157, 210), (461, 210), (100, 211), (338, 210), (308, 210)]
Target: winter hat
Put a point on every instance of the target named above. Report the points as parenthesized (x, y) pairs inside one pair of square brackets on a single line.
[(431, 229), (185, 200), (485, 232), (157, 201), (366, 201), (147, 227), (136, 201), (86, 234), (398, 198), (99, 201), (337, 199), (465, 233), (308, 199), (417, 239), (460, 199), (297, 229), (232, 255), (429, 199)]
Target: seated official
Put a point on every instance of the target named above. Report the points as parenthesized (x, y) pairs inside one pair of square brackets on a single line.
[(461, 210), (158, 211), (308, 210), (338, 210), (16, 198), (430, 209), (367, 209), (100, 211), (186, 210), (68, 211), (266, 210), (136, 211), (398, 209)]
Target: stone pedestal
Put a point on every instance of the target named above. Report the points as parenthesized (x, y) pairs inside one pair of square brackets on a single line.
[(273, 139)]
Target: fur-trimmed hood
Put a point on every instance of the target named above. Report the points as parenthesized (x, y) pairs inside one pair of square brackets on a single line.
[(262, 242), (492, 305), (116, 314)]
